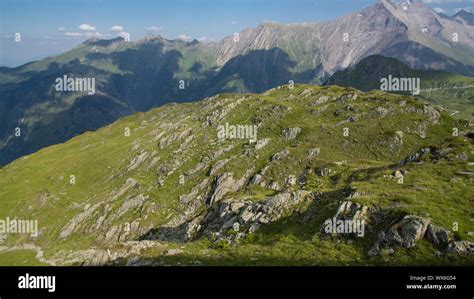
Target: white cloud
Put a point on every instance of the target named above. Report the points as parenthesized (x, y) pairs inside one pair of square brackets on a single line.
[(94, 34), (116, 28), (86, 27), (155, 28), (202, 39), (234, 22), (73, 34), (184, 37), (85, 34), (61, 29), (439, 10)]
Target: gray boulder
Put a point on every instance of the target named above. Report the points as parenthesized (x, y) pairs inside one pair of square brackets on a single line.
[(291, 133), (437, 235), (461, 247)]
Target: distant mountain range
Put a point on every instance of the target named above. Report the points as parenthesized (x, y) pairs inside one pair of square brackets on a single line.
[(136, 76)]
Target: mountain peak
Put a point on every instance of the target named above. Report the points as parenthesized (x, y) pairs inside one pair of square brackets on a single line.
[(465, 16), (462, 12), (102, 42)]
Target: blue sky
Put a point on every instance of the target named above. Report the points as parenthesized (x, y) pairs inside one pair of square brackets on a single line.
[(50, 27)]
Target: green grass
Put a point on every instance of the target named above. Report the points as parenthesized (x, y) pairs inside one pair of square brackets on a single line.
[(364, 161)]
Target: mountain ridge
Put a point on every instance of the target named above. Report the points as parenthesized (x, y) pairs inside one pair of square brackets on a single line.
[(172, 192), (264, 57)]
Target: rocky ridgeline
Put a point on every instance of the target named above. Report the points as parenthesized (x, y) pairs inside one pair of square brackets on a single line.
[(174, 181)]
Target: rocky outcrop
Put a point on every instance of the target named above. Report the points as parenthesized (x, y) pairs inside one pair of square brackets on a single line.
[(130, 203), (77, 220), (436, 153), (256, 179), (280, 155), (352, 211), (291, 133), (461, 247), (137, 161), (225, 183), (244, 217), (411, 229), (129, 184), (404, 233), (437, 235)]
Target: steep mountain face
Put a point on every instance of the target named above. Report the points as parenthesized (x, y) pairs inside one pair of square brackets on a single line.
[(250, 180), (128, 77), (448, 90), (136, 76), (465, 17), (388, 27), (445, 36)]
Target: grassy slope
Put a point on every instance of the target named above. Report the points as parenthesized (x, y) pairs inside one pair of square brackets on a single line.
[(98, 161), (448, 90)]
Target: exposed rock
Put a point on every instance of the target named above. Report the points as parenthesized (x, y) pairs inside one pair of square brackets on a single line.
[(274, 186), (205, 162), (437, 235), (256, 179), (291, 133), (225, 183), (381, 111), (416, 157), (191, 196), (291, 180), (219, 164), (352, 211), (306, 92), (246, 216), (261, 143), (432, 113), (410, 229), (461, 247), (135, 202), (420, 129), (100, 258), (113, 234), (437, 153), (129, 184), (137, 161), (280, 155), (77, 220), (404, 233)]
